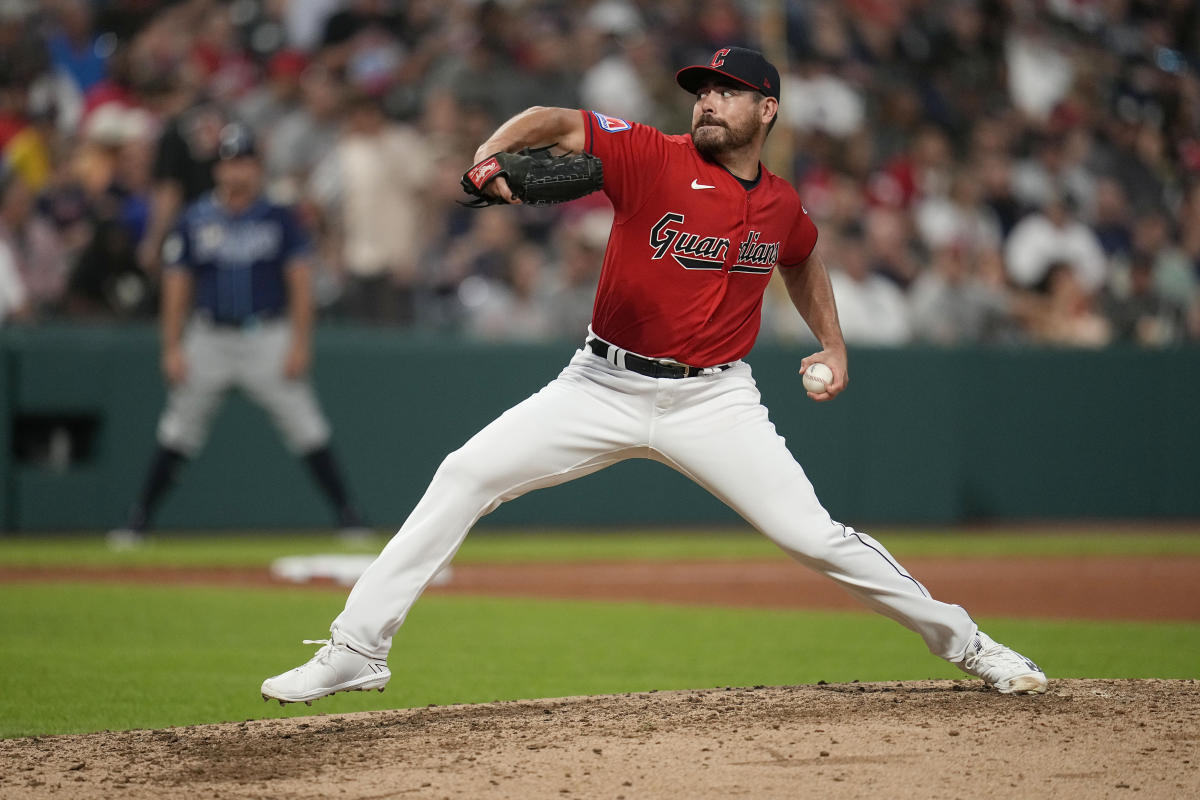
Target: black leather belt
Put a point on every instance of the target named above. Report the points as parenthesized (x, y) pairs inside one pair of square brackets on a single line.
[(648, 366)]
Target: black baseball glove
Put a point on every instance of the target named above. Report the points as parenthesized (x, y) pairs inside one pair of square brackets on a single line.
[(537, 177)]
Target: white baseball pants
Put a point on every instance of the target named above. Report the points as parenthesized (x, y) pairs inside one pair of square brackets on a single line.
[(251, 359), (712, 428)]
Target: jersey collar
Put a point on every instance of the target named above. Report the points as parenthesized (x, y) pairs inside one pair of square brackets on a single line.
[(747, 185)]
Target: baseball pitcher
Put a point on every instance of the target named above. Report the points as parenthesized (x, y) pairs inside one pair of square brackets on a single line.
[(700, 225)]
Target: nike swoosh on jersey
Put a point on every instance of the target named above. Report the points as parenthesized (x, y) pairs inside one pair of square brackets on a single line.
[(697, 185)]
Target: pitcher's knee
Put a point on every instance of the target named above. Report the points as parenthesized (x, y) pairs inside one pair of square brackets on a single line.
[(468, 473), (813, 539), (457, 468)]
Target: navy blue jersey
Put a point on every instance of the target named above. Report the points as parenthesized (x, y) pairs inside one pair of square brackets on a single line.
[(237, 260)]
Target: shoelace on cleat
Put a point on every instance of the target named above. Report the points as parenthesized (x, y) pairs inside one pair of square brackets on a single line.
[(999, 655), (323, 654)]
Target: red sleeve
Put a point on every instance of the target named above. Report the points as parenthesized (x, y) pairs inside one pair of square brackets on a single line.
[(800, 241), (633, 155)]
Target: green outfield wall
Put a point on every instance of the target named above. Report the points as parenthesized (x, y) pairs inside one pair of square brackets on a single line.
[(922, 435)]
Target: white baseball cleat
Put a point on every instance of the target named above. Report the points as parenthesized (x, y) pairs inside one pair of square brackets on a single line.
[(335, 668), (121, 540), (1001, 668)]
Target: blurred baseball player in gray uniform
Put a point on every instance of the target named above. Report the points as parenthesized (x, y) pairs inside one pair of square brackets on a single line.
[(237, 312)]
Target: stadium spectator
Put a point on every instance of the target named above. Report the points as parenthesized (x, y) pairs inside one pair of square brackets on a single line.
[(579, 245), (1067, 314), (872, 308), (1171, 271), (899, 116), (548, 63), (621, 83), (1112, 220), (515, 306), (14, 297), (370, 188), (76, 50), (950, 303), (1050, 171), (922, 171), (1134, 153), (14, 300), (13, 97), (890, 250), (484, 79), (30, 151), (265, 105), (817, 98), (995, 177), (183, 162), (117, 87), (112, 177), (963, 64), (298, 142), (1040, 70), (483, 247), (219, 57), (958, 218), (1140, 313), (31, 249), (24, 61), (1052, 236)]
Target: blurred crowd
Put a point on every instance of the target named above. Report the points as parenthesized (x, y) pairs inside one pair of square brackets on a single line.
[(980, 170)]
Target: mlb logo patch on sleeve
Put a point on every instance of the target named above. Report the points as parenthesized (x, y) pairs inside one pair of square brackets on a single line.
[(611, 124)]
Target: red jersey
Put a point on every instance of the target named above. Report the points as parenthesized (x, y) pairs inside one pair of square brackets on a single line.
[(691, 249)]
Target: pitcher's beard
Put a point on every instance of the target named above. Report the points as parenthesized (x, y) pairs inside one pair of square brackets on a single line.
[(713, 139)]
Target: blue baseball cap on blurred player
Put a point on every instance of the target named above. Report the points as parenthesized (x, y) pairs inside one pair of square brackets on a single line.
[(237, 141)]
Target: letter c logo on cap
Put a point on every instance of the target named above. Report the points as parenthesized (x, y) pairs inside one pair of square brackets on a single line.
[(718, 58)]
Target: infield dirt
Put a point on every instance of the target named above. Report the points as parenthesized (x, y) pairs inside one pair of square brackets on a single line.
[(1107, 588), (931, 739)]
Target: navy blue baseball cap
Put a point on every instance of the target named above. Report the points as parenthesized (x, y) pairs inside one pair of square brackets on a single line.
[(747, 67), (237, 141)]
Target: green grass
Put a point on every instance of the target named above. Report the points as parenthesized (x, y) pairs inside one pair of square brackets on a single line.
[(84, 657), (501, 546), (80, 657)]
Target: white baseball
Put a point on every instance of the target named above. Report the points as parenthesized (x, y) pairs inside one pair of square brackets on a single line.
[(817, 378)]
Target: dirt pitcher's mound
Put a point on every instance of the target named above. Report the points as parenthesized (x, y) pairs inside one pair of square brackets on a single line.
[(1085, 738)]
